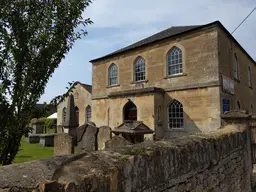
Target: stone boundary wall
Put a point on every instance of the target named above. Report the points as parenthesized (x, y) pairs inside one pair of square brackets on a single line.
[(204, 162)]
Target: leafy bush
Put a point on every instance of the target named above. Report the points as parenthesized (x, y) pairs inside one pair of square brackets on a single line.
[(48, 122)]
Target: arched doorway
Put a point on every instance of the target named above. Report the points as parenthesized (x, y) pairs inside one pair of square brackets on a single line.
[(130, 111)]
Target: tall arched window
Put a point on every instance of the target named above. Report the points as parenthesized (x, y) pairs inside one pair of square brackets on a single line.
[(139, 69), (77, 115), (249, 77), (64, 114), (112, 74), (88, 113), (238, 105), (174, 61), (236, 67), (175, 115)]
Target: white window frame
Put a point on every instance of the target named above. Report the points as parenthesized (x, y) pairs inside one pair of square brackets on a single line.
[(139, 69), (174, 60), (113, 75), (173, 118)]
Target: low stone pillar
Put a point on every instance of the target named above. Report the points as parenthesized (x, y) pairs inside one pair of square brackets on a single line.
[(242, 118), (63, 144)]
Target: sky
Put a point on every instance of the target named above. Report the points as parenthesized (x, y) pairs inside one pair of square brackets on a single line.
[(118, 23)]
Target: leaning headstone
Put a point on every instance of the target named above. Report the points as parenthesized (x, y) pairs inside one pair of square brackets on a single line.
[(103, 136), (116, 142), (87, 138), (63, 144)]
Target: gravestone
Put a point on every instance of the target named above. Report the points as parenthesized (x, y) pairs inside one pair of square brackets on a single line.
[(46, 140), (63, 144), (38, 126), (116, 142), (87, 138), (32, 138), (104, 135)]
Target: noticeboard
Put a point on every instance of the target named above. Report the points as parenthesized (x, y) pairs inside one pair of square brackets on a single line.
[(226, 105), (228, 85)]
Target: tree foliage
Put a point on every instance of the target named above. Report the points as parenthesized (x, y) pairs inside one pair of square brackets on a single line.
[(34, 38)]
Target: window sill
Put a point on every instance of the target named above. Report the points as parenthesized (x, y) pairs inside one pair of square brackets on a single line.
[(110, 86), (175, 75), (176, 130), (136, 82)]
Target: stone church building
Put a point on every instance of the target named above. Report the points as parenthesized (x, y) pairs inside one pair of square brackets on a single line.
[(82, 101), (177, 81)]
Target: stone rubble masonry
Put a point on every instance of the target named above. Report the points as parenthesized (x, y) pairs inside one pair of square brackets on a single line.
[(218, 161)]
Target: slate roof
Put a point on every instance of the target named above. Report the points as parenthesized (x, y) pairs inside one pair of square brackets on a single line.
[(86, 86), (133, 127), (171, 32)]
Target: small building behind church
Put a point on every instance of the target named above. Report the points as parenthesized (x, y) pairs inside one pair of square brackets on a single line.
[(176, 82), (83, 104)]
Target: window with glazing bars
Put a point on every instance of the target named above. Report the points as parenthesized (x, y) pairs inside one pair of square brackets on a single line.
[(175, 115), (88, 113), (174, 61), (113, 74), (139, 69)]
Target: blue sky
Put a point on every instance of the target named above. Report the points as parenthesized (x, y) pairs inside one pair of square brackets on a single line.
[(118, 23)]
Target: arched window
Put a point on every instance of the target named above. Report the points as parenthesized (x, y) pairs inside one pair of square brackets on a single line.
[(112, 74), (249, 77), (174, 61), (64, 114), (139, 69), (251, 108), (159, 113), (88, 113), (77, 115), (236, 67), (238, 105), (175, 115)]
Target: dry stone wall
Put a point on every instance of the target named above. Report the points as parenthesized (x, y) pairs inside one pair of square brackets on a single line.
[(218, 161)]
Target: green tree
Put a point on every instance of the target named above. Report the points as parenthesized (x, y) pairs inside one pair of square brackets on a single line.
[(34, 38)]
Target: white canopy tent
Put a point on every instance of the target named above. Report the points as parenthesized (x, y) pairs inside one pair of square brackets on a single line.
[(52, 116)]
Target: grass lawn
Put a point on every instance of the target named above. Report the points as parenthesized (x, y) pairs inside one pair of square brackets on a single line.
[(29, 152)]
